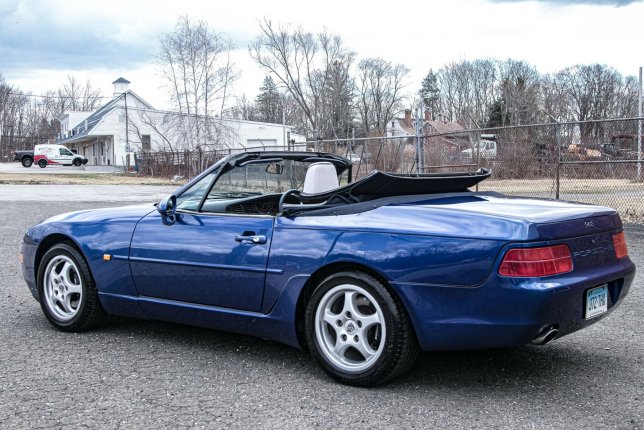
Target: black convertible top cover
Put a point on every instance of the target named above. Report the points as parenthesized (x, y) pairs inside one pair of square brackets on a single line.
[(379, 184)]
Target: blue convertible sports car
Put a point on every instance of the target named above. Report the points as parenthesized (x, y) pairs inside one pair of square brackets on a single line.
[(364, 274)]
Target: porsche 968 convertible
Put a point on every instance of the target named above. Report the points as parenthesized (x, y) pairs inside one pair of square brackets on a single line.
[(364, 274)]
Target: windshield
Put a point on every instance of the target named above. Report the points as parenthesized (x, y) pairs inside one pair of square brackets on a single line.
[(252, 179), (248, 180)]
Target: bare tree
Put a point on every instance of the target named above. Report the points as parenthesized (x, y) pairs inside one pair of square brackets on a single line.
[(519, 91), (198, 73), (380, 93), (12, 118), (467, 89), (74, 96), (243, 109), (593, 91), (303, 64)]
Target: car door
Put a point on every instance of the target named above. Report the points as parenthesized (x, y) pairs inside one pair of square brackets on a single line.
[(65, 156), (209, 259)]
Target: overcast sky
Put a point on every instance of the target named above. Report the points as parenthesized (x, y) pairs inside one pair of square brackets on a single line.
[(42, 41)]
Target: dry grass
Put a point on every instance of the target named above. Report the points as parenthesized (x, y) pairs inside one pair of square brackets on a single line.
[(624, 195), (568, 185), (85, 179)]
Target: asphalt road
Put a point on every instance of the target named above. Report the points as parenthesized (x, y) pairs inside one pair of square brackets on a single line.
[(146, 374)]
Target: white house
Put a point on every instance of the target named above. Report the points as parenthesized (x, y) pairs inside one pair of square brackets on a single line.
[(127, 124)]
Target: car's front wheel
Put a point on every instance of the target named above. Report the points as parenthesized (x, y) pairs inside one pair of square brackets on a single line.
[(77, 162), (27, 162), (68, 294), (358, 331)]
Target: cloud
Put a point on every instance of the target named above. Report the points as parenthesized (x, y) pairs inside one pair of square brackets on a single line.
[(616, 3), (69, 35)]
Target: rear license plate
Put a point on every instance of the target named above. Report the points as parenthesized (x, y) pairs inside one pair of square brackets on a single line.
[(596, 301)]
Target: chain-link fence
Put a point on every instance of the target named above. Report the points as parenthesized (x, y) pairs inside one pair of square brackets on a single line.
[(587, 161)]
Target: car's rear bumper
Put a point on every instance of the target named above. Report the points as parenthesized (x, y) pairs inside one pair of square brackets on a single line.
[(506, 312)]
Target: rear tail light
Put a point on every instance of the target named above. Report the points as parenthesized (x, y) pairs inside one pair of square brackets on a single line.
[(536, 262), (619, 243)]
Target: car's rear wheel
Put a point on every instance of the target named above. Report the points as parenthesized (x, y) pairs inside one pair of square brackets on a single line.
[(42, 163), (77, 162), (27, 162), (358, 331), (68, 294)]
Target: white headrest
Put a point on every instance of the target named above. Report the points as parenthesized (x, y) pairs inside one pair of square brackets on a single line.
[(320, 177)]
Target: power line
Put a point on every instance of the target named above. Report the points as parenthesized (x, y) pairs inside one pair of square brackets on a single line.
[(9, 136), (13, 93)]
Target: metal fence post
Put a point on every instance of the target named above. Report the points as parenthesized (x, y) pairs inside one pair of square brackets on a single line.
[(558, 180), (419, 145), (639, 128)]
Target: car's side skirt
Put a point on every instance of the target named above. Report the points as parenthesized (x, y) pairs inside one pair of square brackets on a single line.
[(271, 326)]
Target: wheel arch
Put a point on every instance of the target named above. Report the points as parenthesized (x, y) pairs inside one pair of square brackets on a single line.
[(48, 242), (326, 270)]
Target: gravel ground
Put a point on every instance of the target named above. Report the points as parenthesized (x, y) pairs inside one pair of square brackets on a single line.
[(146, 374)]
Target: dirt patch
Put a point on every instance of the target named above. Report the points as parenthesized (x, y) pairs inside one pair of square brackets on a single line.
[(88, 179)]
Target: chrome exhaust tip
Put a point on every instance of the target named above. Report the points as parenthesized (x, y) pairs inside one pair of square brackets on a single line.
[(547, 335)]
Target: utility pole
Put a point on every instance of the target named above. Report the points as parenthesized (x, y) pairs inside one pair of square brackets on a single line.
[(284, 142), (419, 145), (127, 132), (127, 126)]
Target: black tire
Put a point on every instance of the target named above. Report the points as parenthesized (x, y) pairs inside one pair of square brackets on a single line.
[(27, 162), (42, 163), (396, 351), (88, 313), (77, 162)]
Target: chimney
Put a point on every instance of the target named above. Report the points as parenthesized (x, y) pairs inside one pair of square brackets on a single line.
[(427, 117), (120, 86), (408, 117)]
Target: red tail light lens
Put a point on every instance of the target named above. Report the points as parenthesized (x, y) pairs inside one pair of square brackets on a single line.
[(536, 262), (619, 243)]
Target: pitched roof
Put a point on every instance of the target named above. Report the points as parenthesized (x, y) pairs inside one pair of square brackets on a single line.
[(121, 81), (441, 127), (433, 127), (85, 127)]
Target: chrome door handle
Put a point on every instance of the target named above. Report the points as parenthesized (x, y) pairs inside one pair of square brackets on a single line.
[(254, 240)]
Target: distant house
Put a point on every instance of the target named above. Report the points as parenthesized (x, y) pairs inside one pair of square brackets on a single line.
[(451, 139), (127, 124)]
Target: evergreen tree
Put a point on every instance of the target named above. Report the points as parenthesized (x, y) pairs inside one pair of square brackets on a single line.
[(430, 93), (497, 116), (268, 103)]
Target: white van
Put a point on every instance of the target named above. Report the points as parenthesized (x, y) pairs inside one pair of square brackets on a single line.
[(486, 149), (56, 154)]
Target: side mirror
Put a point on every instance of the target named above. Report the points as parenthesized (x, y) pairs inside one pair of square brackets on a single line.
[(275, 168), (168, 206)]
